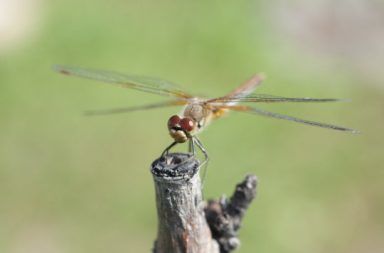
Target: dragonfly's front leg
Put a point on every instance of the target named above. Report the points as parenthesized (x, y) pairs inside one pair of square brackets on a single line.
[(166, 151)]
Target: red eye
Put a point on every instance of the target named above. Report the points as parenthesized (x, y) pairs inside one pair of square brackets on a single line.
[(186, 124), (173, 121)]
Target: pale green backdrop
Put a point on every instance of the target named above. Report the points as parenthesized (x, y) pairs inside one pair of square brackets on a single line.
[(70, 183)]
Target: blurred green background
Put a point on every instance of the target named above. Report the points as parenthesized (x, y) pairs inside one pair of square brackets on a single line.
[(70, 183)]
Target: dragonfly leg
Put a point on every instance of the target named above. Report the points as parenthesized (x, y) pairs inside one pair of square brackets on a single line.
[(201, 147), (166, 151), (192, 151), (204, 164), (191, 148)]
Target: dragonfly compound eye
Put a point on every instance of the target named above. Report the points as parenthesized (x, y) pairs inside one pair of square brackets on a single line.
[(187, 124), (173, 121)]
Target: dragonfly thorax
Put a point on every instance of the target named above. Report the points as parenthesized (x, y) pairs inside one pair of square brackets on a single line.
[(199, 113), (195, 111)]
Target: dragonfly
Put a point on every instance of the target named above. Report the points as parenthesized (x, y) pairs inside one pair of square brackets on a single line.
[(198, 112)]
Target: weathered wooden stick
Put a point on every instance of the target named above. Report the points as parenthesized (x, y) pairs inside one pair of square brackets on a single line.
[(185, 223), (182, 227)]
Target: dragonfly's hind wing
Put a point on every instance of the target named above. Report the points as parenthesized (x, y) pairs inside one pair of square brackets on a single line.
[(265, 98), (258, 111), (142, 83)]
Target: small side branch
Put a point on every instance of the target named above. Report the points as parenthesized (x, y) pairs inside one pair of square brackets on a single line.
[(224, 216)]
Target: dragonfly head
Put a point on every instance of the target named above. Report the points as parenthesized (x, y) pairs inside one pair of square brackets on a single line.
[(180, 128)]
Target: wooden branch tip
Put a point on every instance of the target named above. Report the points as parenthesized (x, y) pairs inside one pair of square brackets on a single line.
[(182, 227), (175, 166)]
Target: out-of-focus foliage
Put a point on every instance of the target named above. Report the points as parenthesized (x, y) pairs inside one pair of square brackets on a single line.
[(70, 183)]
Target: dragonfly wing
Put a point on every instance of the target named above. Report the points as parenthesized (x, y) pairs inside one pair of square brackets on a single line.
[(142, 83), (257, 111), (243, 90), (248, 86), (264, 98), (135, 108)]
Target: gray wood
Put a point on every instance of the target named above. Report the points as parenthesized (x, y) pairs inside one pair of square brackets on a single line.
[(182, 227)]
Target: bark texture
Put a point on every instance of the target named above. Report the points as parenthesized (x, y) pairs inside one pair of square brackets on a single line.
[(182, 227)]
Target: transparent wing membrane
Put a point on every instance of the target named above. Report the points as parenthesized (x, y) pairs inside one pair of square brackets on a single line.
[(142, 83), (264, 98), (248, 86), (257, 111), (134, 108)]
